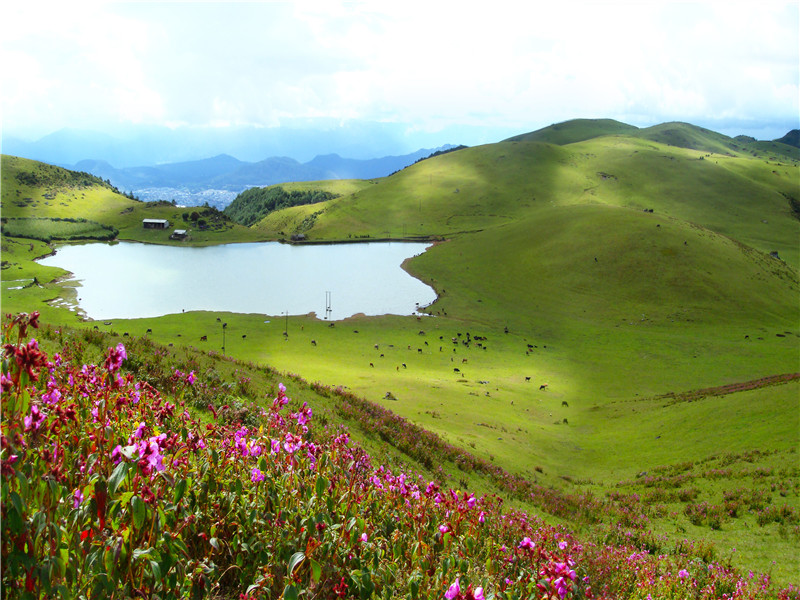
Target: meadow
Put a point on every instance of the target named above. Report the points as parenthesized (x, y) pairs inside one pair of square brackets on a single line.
[(587, 292)]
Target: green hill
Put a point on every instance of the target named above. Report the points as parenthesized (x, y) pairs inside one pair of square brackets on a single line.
[(37, 198), (576, 130), (608, 271)]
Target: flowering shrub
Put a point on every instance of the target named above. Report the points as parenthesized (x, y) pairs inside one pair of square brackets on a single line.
[(110, 489)]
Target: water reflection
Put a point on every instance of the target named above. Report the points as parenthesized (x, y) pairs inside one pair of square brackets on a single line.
[(132, 280)]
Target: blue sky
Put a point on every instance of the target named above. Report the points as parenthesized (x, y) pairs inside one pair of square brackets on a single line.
[(475, 72)]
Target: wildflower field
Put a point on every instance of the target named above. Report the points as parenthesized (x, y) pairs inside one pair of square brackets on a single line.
[(117, 486)]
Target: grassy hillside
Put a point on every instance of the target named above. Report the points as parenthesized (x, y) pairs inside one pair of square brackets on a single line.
[(618, 271), (33, 191), (576, 130)]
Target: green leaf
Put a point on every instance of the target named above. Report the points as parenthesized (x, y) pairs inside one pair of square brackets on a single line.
[(316, 570), (117, 476), (180, 490), (295, 561), (321, 486), (139, 511), (23, 483), (156, 570), (290, 593)]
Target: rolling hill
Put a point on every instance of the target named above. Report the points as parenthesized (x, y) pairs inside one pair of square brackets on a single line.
[(619, 268)]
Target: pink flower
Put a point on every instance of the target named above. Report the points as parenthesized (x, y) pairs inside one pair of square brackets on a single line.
[(190, 378), (562, 544), (683, 573), (444, 528), (526, 543), (482, 517), (77, 498), (256, 475), (364, 537), (478, 593), (453, 591), (115, 358)]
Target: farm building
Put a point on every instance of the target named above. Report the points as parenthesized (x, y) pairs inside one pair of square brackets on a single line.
[(178, 234), (155, 223)]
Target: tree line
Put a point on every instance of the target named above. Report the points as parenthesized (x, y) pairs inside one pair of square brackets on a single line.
[(254, 204)]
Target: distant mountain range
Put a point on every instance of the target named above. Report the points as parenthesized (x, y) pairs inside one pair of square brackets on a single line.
[(225, 173)]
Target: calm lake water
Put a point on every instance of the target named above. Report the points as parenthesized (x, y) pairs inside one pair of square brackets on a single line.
[(131, 280)]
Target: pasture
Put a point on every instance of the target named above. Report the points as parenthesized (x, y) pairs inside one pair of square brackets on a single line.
[(583, 288)]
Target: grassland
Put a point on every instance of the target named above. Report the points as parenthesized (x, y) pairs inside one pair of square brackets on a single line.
[(615, 269)]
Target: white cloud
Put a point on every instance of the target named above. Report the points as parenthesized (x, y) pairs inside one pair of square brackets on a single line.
[(429, 65)]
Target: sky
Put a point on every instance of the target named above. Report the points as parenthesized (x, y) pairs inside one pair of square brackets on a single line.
[(481, 71)]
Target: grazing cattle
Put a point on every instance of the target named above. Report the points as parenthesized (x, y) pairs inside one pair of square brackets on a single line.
[(456, 370), (244, 336), (313, 342), (543, 386), (419, 350), (96, 327), (376, 346), (381, 355), (203, 338), (371, 365), (125, 334), (527, 379), (149, 331), (421, 333), (463, 360), (565, 403), (404, 366)]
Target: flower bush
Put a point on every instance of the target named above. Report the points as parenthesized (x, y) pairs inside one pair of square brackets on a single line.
[(111, 489)]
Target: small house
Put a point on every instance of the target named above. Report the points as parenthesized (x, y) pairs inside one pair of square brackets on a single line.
[(155, 223), (178, 234)]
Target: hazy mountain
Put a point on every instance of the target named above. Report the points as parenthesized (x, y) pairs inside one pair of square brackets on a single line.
[(217, 180), (151, 145)]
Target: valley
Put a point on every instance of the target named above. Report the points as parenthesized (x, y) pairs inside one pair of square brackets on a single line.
[(589, 276)]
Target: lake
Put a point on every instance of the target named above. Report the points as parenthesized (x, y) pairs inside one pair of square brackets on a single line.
[(132, 280)]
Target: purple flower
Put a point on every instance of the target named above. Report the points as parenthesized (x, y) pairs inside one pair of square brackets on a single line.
[(115, 358), (453, 591), (77, 498), (364, 537), (478, 594), (190, 378), (116, 454), (683, 573), (526, 543), (256, 475), (562, 544)]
